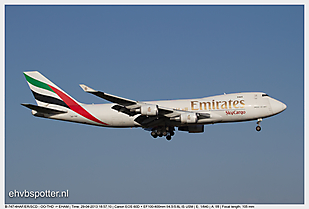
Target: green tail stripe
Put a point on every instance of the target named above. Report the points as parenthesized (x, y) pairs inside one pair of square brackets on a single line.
[(38, 83)]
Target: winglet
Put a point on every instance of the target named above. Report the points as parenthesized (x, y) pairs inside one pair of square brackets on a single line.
[(87, 88)]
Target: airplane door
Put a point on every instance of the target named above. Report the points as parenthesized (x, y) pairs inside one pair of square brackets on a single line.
[(261, 104), (256, 101)]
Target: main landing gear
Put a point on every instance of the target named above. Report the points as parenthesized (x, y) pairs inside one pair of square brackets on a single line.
[(163, 131), (258, 128)]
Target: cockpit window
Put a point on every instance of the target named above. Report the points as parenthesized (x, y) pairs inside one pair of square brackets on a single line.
[(265, 95)]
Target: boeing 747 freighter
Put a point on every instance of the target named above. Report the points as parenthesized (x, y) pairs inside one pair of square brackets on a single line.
[(158, 117)]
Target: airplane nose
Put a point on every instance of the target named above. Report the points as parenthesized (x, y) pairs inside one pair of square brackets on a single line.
[(277, 106)]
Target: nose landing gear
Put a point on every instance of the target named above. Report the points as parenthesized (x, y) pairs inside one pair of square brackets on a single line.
[(258, 128)]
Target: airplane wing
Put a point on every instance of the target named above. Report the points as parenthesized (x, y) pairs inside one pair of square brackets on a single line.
[(131, 108), (108, 97), (126, 103)]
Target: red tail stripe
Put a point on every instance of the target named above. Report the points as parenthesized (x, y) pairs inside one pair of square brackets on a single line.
[(74, 106)]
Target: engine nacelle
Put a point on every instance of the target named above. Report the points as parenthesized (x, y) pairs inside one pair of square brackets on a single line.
[(149, 110), (188, 118)]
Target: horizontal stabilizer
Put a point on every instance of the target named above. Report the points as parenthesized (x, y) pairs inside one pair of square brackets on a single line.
[(43, 109)]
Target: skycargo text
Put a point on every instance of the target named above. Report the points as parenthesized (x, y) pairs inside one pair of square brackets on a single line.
[(39, 194)]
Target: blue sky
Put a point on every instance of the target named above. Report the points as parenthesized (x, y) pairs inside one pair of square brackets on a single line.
[(153, 53)]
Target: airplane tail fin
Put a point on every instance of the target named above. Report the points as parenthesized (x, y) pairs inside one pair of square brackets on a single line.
[(47, 93)]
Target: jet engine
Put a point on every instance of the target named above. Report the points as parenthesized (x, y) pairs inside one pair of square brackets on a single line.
[(149, 110), (186, 118)]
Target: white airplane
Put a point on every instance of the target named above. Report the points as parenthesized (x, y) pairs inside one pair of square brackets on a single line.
[(159, 117)]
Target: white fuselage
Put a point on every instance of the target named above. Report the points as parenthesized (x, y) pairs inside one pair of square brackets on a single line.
[(222, 108)]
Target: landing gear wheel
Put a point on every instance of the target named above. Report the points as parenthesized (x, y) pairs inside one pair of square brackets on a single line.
[(258, 128), (172, 133), (168, 137), (154, 134)]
